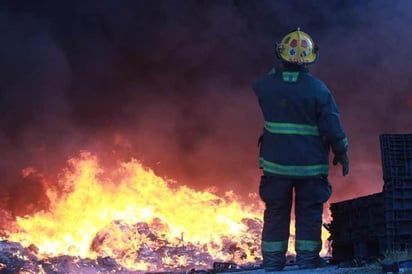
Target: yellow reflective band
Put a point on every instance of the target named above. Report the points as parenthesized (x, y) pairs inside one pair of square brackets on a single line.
[(306, 245), (291, 128), (290, 76), (274, 246), (289, 170)]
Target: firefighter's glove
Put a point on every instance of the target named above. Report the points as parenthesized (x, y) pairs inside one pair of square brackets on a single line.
[(344, 161)]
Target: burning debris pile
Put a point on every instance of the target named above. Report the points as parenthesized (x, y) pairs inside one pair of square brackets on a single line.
[(141, 246), (126, 219), (147, 245), (14, 258)]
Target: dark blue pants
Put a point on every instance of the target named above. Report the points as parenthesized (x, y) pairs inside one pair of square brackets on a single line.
[(277, 194)]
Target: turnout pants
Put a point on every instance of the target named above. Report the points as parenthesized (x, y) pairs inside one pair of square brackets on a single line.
[(277, 194)]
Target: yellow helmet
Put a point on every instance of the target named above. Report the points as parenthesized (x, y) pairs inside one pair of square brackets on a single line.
[(297, 47)]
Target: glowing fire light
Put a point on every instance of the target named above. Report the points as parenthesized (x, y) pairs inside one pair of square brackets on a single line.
[(127, 212)]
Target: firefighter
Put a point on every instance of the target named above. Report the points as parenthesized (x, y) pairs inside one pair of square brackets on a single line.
[(301, 127)]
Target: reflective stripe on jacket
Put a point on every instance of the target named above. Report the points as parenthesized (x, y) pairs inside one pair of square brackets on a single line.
[(289, 170), (290, 128)]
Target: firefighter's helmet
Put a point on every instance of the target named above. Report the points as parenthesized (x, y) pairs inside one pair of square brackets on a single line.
[(297, 47)]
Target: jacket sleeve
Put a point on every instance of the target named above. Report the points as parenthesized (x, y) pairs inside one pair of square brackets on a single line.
[(330, 126)]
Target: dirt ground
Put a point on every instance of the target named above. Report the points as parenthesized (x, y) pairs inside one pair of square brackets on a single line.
[(322, 270)]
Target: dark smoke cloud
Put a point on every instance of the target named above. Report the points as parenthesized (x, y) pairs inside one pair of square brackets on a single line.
[(169, 82)]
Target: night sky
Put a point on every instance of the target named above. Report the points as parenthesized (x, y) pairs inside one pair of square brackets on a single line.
[(169, 82)]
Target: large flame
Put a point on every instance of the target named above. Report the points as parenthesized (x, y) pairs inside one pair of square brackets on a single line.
[(120, 212)]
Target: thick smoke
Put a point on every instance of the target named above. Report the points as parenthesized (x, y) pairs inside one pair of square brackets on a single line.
[(169, 83)]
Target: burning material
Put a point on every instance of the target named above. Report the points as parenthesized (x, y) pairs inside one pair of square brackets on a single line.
[(127, 218), (143, 242), (140, 220), (16, 259)]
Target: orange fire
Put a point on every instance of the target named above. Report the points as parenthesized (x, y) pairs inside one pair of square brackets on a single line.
[(128, 212)]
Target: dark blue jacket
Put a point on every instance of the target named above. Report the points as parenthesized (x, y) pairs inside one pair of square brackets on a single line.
[(301, 124)]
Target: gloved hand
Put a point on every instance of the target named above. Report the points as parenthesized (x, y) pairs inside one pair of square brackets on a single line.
[(344, 161)]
